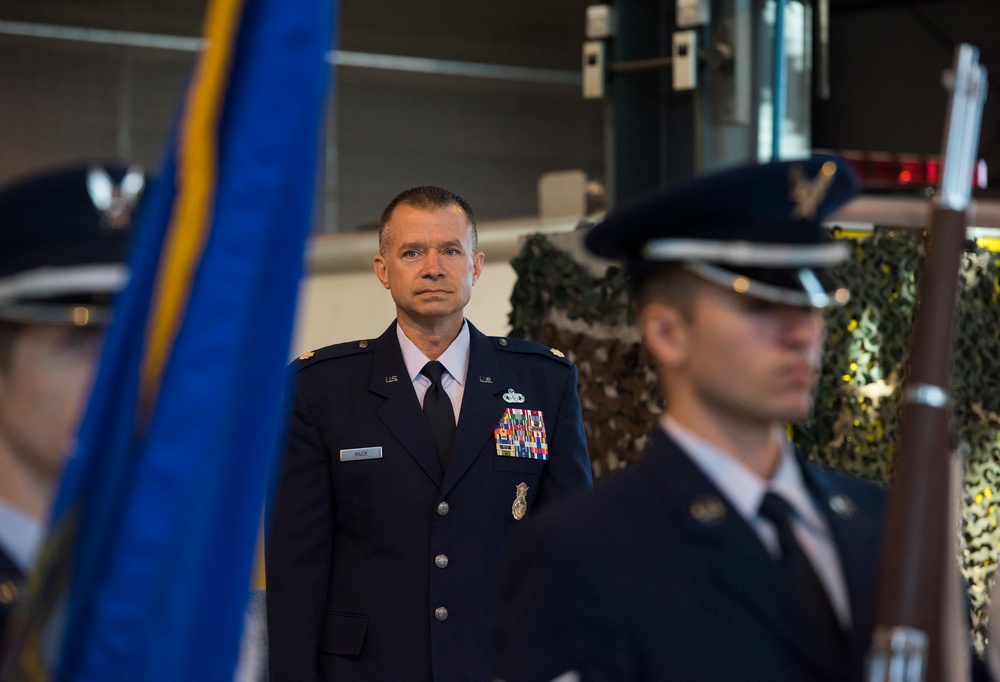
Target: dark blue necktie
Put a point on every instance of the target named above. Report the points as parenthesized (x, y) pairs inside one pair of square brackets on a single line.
[(440, 415), (809, 599)]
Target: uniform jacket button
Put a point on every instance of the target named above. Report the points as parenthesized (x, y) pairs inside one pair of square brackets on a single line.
[(442, 508), (441, 613), (441, 560)]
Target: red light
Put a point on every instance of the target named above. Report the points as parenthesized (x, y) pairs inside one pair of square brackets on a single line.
[(886, 171), (933, 166), (881, 167), (911, 170)]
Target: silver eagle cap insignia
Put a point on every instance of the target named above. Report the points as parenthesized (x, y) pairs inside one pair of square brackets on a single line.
[(809, 194)]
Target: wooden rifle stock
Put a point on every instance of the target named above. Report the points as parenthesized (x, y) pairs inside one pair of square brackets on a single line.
[(909, 638)]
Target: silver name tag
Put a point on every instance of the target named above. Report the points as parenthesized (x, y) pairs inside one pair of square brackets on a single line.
[(360, 453)]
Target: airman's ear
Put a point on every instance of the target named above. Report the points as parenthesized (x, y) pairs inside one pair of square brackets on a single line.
[(665, 332), (381, 272), (477, 265)]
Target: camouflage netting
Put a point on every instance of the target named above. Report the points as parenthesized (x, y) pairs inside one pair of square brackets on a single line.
[(561, 303)]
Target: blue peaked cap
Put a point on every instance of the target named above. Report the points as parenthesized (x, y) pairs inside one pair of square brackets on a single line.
[(64, 235), (758, 229)]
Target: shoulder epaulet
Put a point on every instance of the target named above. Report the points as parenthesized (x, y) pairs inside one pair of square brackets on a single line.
[(525, 346), (337, 350)]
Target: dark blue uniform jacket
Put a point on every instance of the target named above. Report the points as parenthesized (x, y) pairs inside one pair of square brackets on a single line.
[(382, 568), (635, 581)]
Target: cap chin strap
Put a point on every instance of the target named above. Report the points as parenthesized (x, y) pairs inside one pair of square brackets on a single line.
[(812, 295)]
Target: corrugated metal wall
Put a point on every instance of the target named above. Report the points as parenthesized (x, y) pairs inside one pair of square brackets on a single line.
[(488, 133)]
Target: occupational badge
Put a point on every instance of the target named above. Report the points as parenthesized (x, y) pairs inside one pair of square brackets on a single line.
[(520, 505), (512, 396), (521, 433)]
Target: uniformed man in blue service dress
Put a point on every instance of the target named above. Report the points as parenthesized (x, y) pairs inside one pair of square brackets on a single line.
[(720, 554), (63, 240), (409, 459)]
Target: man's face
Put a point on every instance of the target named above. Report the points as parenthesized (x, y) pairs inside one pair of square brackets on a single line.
[(749, 360), (43, 388), (429, 265)]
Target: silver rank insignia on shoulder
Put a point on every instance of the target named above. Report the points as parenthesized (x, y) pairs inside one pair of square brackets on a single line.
[(512, 397), (558, 353), (520, 505), (306, 356)]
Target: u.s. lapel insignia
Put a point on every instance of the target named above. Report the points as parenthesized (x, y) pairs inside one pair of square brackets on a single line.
[(808, 194), (843, 506), (708, 510), (513, 397), (391, 379), (306, 356), (520, 505), (486, 380)]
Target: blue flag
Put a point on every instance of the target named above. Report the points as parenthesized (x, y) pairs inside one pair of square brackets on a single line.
[(146, 571)]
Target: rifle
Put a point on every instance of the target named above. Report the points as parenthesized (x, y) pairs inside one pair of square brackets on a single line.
[(909, 640)]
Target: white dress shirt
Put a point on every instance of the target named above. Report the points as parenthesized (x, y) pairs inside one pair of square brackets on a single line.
[(456, 364), (745, 490), (20, 536)]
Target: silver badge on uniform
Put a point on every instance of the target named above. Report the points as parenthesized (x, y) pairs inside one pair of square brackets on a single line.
[(520, 505), (511, 396)]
